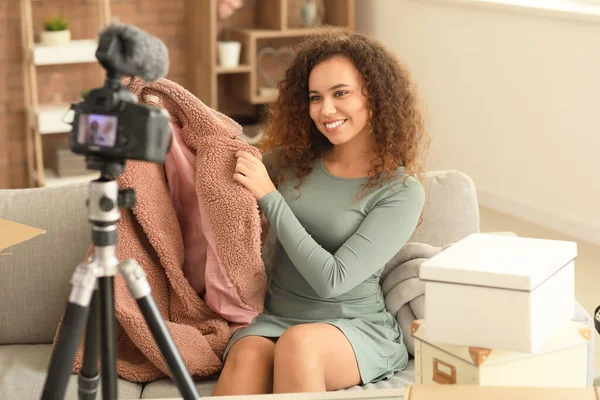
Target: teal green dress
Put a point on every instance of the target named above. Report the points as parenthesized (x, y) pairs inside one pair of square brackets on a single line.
[(330, 252)]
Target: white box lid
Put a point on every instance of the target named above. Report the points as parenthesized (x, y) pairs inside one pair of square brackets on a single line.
[(508, 262)]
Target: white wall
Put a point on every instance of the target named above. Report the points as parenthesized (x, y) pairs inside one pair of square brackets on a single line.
[(513, 100)]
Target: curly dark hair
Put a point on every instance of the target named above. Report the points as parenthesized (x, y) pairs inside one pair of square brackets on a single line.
[(397, 125)]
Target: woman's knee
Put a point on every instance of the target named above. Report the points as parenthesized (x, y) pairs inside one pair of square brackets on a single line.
[(297, 343), (248, 368), (253, 351)]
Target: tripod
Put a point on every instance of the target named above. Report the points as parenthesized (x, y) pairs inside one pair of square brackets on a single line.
[(92, 300)]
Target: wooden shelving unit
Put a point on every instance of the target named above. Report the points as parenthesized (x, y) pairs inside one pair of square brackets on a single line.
[(217, 86), (45, 119), (233, 70)]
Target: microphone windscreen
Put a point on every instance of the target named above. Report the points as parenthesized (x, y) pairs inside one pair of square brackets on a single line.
[(143, 54)]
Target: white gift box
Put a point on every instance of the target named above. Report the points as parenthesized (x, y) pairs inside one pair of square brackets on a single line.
[(560, 362), (499, 292)]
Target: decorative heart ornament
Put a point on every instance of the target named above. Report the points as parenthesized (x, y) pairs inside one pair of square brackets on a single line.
[(272, 63)]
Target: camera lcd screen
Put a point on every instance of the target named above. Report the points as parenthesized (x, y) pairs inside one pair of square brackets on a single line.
[(97, 129)]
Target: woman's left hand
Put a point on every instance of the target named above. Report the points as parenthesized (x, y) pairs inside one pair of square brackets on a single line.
[(252, 173)]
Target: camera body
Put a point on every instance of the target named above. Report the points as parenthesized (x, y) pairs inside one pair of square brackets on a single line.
[(111, 123)]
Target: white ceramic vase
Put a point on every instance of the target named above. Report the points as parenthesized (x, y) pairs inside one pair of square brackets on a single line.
[(55, 38), (309, 12), (229, 53)]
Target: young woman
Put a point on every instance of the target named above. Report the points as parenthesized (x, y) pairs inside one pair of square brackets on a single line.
[(344, 147)]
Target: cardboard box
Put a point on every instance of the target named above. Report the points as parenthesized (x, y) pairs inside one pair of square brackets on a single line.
[(467, 392), (12, 233), (499, 292), (69, 163), (561, 362)]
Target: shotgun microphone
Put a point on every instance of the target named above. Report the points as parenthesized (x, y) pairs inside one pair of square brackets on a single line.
[(133, 53)]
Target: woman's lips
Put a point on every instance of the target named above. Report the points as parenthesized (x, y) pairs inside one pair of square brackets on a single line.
[(335, 125)]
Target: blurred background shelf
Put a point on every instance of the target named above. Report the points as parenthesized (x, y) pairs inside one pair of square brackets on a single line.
[(285, 33), (259, 24), (258, 99), (233, 70), (44, 122), (238, 92), (52, 180), (51, 116), (77, 51)]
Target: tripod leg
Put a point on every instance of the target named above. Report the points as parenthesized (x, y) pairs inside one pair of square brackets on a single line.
[(109, 348), (61, 363), (140, 290), (88, 376)]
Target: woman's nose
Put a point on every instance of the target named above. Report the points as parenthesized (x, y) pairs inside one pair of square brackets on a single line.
[(328, 107)]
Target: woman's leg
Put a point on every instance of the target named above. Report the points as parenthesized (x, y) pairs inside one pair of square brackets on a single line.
[(248, 368), (314, 358)]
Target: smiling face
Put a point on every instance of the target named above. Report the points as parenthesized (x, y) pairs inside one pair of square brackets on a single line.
[(336, 102)]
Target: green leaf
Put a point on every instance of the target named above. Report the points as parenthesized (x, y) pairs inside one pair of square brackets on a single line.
[(54, 24)]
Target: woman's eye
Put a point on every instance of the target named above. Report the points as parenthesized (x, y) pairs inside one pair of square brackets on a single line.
[(340, 93), (314, 98)]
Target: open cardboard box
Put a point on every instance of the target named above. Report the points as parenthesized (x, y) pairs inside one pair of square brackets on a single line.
[(474, 392), (12, 233)]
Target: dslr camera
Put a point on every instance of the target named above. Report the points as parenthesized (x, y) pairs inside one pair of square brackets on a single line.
[(110, 124)]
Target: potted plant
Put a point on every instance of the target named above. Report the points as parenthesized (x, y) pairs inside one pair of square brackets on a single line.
[(84, 93), (56, 31), (229, 50)]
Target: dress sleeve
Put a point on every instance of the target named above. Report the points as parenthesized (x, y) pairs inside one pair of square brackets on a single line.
[(383, 232)]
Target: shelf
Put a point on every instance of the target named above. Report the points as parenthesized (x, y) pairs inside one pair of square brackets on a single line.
[(53, 181), (234, 70), (77, 51), (261, 24), (253, 134), (262, 99), (50, 118), (45, 119), (286, 33)]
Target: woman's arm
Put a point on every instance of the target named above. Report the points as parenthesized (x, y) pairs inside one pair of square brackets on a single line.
[(381, 235)]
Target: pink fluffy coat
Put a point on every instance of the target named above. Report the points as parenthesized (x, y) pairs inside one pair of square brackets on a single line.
[(151, 234)]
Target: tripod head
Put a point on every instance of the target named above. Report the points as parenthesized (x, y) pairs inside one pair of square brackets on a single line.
[(109, 167), (105, 197), (103, 204)]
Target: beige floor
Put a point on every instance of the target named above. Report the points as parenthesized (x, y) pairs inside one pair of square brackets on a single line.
[(587, 264)]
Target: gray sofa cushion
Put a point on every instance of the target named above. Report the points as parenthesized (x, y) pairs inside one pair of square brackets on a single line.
[(165, 389), (23, 371), (451, 210), (36, 278)]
